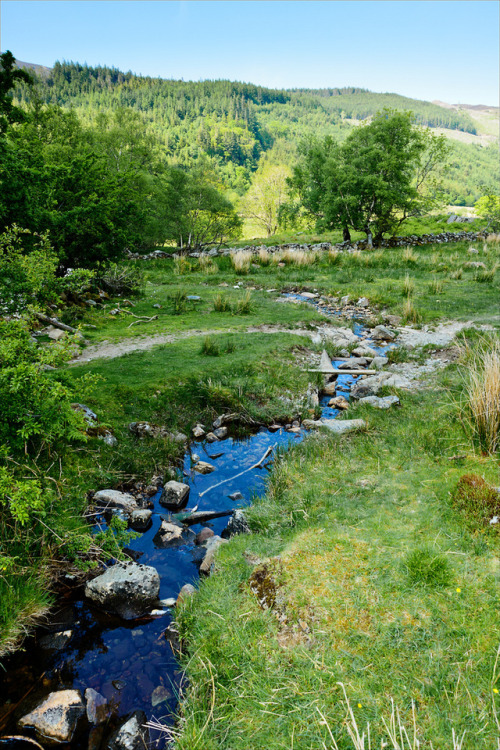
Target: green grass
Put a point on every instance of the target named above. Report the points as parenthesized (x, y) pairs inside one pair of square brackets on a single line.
[(377, 585), (435, 276)]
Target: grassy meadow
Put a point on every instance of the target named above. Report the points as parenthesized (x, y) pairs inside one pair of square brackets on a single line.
[(383, 579)]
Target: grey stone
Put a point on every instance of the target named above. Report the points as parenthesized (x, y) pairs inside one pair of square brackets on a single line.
[(208, 561), (364, 351), (56, 641), (203, 536), (128, 589), (234, 496), (140, 520), (56, 718), (211, 438), (220, 433), (237, 525), (311, 424), (175, 495), (97, 706), (186, 591), (378, 362), (339, 402), (362, 302), (159, 695), (115, 499), (380, 403), (382, 333), (342, 427), (202, 467), (171, 535), (132, 735), (198, 431)]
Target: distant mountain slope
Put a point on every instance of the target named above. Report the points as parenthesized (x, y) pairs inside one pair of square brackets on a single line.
[(39, 70), (235, 123)]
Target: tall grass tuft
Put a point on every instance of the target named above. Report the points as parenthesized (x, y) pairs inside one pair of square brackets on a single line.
[(221, 303), (244, 306), (457, 274), (182, 265), (482, 386), (486, 275), (408, 286), (409, 255), (264, 256), (334, 257), (207, 265), (298, 257), (436, 286), (241, 261), (410, 312)]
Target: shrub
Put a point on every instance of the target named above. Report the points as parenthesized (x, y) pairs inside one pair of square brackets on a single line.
[(476, 500), (425, 567), (120, 278)]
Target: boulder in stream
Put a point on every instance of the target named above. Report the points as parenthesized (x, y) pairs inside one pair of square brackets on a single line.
[(128, 589), (237, 525), (140, 520), (175, 495), (115, 499), (132, 735), (97, 706), (379, 403), (55, 720), (172, 535)]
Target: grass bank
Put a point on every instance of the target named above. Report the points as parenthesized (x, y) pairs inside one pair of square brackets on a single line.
[(360, 570)]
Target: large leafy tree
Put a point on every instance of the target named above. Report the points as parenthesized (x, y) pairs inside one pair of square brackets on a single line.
[(384, 173)]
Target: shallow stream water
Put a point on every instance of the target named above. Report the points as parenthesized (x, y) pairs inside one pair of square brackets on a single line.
[(132, 663)]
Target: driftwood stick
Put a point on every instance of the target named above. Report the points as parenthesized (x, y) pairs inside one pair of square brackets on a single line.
[(57, 324), (145, 319), (230, 479)]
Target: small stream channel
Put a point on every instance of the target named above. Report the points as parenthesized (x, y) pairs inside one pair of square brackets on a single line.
[(131, 663)]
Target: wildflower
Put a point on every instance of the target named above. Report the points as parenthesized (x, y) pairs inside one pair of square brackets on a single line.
[(458, 590)]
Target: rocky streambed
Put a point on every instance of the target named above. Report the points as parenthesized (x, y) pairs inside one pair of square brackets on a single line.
[(105, 663)]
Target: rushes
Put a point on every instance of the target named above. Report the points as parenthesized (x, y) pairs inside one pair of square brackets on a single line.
[(181, 265), (482, 378), (409, 256), (241, 261), (298, 257), (486, 275), (264, 256), (408, 286), (221, 303), (207, 265), (410, 312), (436, 285)]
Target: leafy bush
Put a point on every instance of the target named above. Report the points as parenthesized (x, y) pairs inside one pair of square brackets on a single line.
[(28, 267)]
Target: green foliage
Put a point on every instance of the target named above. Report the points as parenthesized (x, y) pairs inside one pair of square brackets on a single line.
[(488, 207), (377, 179), (118, 279), (27, 270), (9, 77)]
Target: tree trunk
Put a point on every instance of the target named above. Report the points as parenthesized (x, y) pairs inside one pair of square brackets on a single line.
[(369, 236), (377, 239), (346, 234)]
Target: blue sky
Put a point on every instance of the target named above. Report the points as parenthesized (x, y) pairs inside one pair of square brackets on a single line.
[(427, 49)]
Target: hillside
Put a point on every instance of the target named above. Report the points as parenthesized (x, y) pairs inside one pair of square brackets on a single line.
[(235, 123)]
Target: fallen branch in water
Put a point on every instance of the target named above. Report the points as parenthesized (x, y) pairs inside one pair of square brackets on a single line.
[(230, 479)]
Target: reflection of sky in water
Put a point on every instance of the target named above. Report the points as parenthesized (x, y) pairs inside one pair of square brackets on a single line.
[(126, 662)]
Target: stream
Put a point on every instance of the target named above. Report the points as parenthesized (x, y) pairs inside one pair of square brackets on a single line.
[(132, 663)]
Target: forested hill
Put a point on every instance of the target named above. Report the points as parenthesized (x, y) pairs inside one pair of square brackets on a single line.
[(235, 123)]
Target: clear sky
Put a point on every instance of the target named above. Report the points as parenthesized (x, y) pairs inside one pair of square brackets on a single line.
[(426, 49)]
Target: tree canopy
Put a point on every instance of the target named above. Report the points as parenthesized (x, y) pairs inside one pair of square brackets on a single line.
[(382, 174)]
